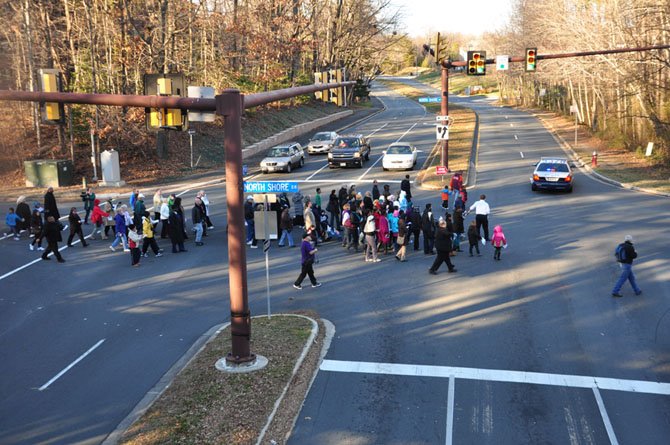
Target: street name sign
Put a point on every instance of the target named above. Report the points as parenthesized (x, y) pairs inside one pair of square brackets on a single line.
[(270, 187), (424, 100)]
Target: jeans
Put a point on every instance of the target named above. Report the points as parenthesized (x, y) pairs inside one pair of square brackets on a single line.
[(119, 237), (198, 231), (251, 230), (626, 274), (334, 220), (285, 235)]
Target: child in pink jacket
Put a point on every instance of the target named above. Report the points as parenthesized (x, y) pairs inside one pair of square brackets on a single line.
[(498, 241)]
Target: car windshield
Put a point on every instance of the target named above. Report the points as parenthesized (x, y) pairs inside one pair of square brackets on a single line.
[(347, 143), (552, 167), (279, 152), (321, 137), (399, 150)]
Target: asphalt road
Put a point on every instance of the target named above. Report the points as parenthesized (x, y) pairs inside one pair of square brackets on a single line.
[(471, 341)]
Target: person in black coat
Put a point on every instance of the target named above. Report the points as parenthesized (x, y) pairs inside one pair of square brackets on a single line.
[(443, 246), (176, 229), (50, 206), (428, 228), (333, 208), (23, 210), (414, 223), (52, 233), (406, 187), (375, 190), (75, 228), (342, 197)]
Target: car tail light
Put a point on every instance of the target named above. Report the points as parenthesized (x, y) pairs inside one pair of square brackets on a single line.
[(568, 178), (536, 178)]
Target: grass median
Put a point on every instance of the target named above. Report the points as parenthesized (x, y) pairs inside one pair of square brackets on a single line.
[(205, 405), (461, 134)]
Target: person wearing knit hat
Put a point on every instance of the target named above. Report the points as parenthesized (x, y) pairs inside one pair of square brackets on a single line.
[(625, 254)]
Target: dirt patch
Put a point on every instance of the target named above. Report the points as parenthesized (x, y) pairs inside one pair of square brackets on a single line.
[(205, 406)]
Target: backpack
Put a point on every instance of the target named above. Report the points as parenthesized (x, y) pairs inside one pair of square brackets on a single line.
[(620, 253)]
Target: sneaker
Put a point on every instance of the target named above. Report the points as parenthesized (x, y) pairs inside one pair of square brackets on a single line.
[(159, 254), (638, 292), (113, 248), (253, 247), (432, 272), (16, 238), (145, 255), (316, 285), (376, 260), (46, 258), (616, 295), (40, 248), (61, 260), (249, 243), (297, 286), (31, 247), (210, 227), (126, 250), (452, 270)]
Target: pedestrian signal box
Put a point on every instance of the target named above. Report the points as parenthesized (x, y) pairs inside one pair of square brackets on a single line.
[(476, 63), (168, 84), (531, 59)]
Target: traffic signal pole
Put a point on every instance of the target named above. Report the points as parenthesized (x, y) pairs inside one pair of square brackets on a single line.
[(230, 105), (444, 109), (447, 64)]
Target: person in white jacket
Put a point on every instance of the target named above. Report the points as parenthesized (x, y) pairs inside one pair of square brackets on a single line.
[(164, 215)]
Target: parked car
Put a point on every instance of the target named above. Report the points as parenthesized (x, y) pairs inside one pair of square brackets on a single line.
[(552, 174), (321, 142), (283, 158), (350, 150), (400, 155)]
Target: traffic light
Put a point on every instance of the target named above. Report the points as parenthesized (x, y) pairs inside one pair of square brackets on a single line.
[(51, 82), (476, 63), (165, 85), (531, 59)]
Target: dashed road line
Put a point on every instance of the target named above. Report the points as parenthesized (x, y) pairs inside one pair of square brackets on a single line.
[(313, 174), (71, 365), (521, 153)]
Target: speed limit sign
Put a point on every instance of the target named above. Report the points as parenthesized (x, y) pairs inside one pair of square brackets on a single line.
[(442, 132)]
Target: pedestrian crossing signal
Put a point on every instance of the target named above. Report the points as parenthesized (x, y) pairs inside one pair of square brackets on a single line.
[(476, 63), (531, 59)]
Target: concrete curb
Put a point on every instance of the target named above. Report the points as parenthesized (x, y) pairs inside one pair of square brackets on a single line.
[(164, 383), (567, 148)]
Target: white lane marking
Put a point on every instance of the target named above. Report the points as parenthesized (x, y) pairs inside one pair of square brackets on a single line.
[(511, 124), (516, 137), (377, 130), (506, 117), (606, 418), (521, 153), (450, 410), (312, 175), (81, 357), (498, 375), (379, 158)]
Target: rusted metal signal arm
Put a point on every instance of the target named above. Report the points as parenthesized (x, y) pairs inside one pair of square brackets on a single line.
[(228, 104), (450, 64)]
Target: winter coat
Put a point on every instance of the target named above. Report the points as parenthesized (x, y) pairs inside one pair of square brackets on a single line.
[(428, 224), (393, 223), (458, 221), (286, 222), (75, 222), (498, 238), (384, 233), (415, 219), (98, 215), (375, 192), (23, 210), (36, 223), (120, 225), (370, 228), (367, 203), (298, 204), (629, 252), (52, 232), (147, 227), (197, 215), (176, 227), (50, 206), (139, 210), (402, 230), (342, 197), (249, 210), (473, 236), (310, 220), (443, 240), (333, 204)]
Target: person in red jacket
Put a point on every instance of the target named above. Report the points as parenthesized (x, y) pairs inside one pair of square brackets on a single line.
[(97, 218)]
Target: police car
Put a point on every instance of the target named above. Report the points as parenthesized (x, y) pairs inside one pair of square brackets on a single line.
[(552, 174)]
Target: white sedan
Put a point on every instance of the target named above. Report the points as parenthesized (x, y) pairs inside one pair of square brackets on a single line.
[(400, 156)]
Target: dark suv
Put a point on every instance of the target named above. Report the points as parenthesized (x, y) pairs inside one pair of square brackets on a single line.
[(349, 150)]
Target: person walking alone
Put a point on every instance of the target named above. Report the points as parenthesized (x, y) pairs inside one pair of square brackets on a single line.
[(498, 241), (626, 253), (308, 255)]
